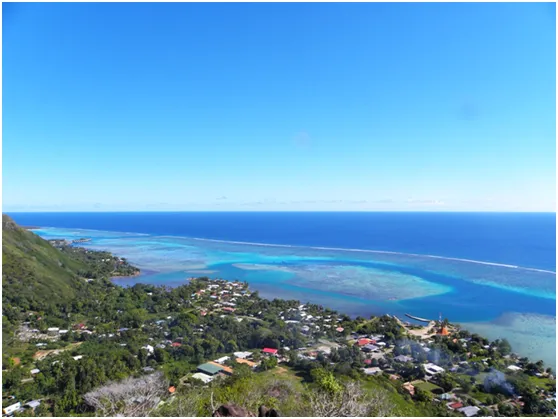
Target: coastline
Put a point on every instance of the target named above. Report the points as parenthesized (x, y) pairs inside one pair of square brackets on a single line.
[(184, 251)]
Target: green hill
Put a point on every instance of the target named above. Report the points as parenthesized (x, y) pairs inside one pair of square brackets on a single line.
[(35, 275)]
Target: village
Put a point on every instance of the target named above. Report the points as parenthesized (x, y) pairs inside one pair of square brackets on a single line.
[(411, 358)]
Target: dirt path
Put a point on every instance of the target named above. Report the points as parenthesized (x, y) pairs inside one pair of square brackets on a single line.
[(40, 355), (424, 332)]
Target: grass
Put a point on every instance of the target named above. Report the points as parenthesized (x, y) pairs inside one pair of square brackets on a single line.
[(426, 386), (403, 406), (542, 382), (283, 371)]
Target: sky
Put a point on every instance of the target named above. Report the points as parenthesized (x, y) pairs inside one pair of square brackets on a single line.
[(285, 106)]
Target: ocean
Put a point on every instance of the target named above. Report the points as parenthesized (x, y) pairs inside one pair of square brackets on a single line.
[(494, 273)]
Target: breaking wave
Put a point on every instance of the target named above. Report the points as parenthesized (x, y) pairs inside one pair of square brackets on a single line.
[(480, 262)]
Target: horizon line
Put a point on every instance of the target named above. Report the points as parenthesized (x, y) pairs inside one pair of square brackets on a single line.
[(274, 211)]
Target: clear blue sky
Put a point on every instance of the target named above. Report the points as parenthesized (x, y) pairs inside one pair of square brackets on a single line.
[(279, 106)]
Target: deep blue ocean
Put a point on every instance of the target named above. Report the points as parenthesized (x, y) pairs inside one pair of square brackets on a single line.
[(492, 272)]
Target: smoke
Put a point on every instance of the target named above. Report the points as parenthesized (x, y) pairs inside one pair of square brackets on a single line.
[(496, 379), (434, 356)]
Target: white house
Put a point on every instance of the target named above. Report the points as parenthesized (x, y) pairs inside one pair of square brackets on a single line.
[(33, 404), (12, 409), (372, 371), (433, 369), (222, 359), (469, 410), (242, 355), (203, 377), (514, 368), (35, 371), (149, 348)]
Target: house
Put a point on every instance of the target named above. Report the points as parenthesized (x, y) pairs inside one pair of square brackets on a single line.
[(53, 330), (242, 355), (363, 341), (228, 309), (63, 332), (35, 371), (514, 368), (372, 371), (246, 362), (172, 389), (410, 388), (33, 404), (370, 348), (10, 410), (469, 411), (176, 344), (339, 329), (148, 369), (77, 357), (148, 348), (270, 351), (224, 369), (433, 369), (403, 358), (222, 360), (203, 377), (455, 405), (210, 369), (447, 396)]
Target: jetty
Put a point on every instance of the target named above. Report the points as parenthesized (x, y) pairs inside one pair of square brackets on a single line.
[(419, 319)]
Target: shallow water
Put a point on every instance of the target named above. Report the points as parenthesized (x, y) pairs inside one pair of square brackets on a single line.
[(497, 300)]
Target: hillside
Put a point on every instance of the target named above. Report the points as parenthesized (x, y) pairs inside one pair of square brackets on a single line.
[(34, 273)]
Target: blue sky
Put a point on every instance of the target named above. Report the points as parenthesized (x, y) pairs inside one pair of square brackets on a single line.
[(286, 106)]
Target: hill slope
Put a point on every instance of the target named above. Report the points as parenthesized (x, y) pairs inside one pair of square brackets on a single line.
[(34, 273)]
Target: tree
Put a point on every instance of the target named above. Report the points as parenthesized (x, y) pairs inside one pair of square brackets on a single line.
[(504, 347), (422, 396), (142, 356), (161, 356), (268, 363)]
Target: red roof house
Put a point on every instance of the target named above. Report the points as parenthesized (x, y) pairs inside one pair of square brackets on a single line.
[(270, 351), (456, 405), (363, 341), (176, 344)]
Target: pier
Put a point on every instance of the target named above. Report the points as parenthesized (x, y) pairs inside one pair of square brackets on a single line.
[(418, 318)]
